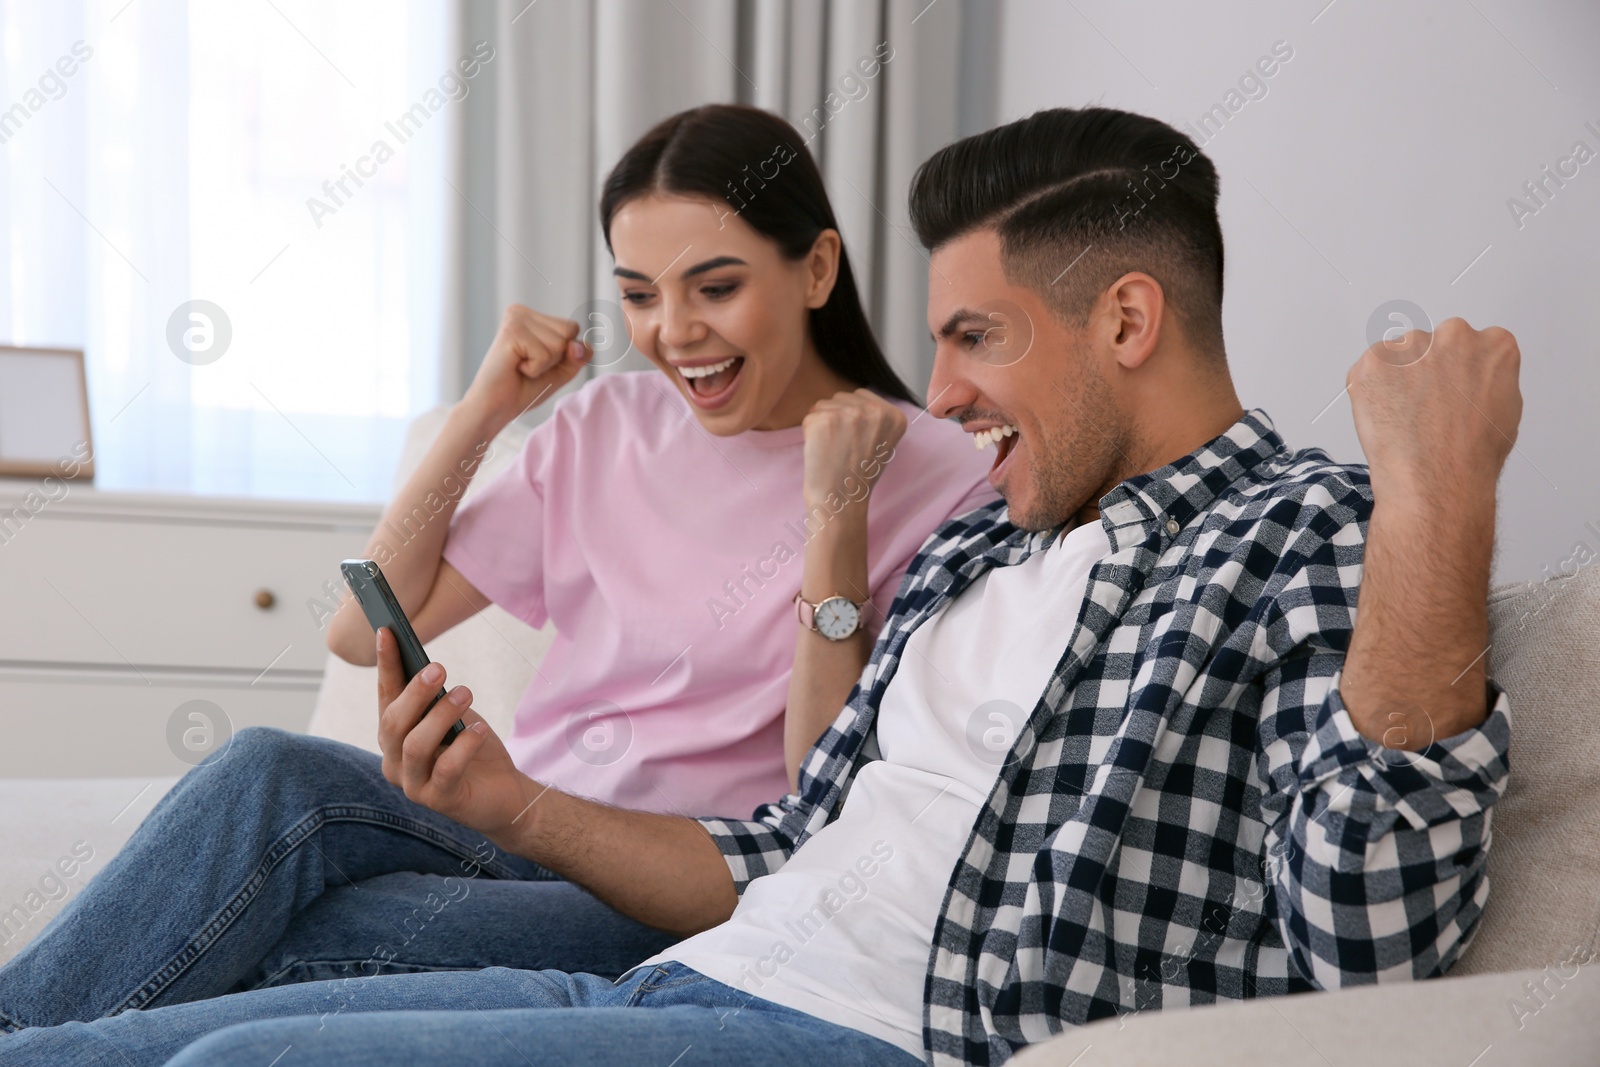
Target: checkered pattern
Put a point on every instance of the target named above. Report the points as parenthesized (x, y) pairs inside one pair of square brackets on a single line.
[(1188, 815)]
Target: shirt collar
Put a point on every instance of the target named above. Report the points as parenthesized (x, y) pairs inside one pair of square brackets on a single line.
[(1169, 497), (1163, 501)]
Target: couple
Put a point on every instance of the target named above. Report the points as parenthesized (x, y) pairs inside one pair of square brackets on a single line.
[(1219, 779)]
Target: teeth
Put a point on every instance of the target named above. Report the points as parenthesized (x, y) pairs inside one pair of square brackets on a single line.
[(707, 370), (984, 438)]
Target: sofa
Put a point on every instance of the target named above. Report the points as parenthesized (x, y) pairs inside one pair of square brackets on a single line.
[(1526, 991)]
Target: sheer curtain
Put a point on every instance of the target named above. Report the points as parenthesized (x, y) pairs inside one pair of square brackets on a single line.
[(159, 153), (579, 81), (162, 152)]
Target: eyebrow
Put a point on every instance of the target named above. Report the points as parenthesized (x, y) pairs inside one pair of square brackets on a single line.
[(960, 316), (698, 268)]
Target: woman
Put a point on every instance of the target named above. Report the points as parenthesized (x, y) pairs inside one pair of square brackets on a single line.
[(666, 521)]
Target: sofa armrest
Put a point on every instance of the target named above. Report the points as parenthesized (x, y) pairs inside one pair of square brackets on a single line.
[(1447, 1022)]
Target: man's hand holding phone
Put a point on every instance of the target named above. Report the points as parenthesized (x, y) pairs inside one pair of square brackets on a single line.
[(663, 870), (472, 780)]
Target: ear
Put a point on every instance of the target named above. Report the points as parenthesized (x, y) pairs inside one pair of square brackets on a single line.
[(1133, 307), (822, 267)]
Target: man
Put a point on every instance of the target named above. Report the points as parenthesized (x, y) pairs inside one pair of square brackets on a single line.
[(1125, 742)]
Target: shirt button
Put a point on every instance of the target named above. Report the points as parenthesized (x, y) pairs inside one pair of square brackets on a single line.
[(1173, 527)]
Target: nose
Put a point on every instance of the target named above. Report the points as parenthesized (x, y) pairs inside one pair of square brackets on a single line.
[(949, 390), (680, 326)]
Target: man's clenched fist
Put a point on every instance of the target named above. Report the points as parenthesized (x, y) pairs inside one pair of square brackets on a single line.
[(1437, 413)]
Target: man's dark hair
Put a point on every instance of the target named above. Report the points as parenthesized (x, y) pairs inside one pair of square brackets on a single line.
[(1080, 197)]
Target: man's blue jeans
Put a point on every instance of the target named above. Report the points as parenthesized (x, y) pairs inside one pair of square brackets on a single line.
[(284, 859), (666, 1016), (287, 859)]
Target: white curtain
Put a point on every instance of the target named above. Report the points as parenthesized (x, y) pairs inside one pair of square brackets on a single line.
[(175, 159), (165, 151), (578, 82)]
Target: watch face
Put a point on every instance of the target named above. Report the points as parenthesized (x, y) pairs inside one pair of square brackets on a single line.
[(837, 618)]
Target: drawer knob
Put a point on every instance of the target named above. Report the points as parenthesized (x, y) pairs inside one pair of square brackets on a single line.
[(265, 599)]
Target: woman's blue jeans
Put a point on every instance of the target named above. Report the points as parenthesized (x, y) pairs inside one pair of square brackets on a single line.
[(286, 859)]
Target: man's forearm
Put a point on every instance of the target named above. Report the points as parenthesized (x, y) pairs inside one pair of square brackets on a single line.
[(662, 870), (1437, 414), (1417, 664)]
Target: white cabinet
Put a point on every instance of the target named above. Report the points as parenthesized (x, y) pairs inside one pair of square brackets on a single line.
[(117, 610)]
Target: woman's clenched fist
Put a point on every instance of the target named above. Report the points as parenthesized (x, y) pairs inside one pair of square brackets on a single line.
[(849, 437), (532, 356)]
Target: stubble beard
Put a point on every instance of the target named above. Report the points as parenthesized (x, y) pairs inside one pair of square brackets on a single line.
[(1088, 451)]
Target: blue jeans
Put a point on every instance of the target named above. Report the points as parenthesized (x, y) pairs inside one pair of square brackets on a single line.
[(661, 1016), (286, 859)]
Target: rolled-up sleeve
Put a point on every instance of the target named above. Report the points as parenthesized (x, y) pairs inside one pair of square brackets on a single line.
[(1376, 856), (757, 846)]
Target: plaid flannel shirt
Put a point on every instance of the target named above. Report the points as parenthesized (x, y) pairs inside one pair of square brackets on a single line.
[(1188, 815)]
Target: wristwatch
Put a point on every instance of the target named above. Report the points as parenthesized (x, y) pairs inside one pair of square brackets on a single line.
[(835, 618)]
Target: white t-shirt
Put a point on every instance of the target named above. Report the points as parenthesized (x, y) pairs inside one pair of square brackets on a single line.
[(844, 929)]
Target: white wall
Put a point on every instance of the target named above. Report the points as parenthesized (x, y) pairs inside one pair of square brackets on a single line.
[(1377, 166)]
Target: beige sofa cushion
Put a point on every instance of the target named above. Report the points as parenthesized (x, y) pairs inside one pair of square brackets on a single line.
[(50, 825), (1544, 859), (1490, 1020)]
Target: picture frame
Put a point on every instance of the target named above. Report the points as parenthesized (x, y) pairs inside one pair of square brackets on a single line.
[(44, 413)]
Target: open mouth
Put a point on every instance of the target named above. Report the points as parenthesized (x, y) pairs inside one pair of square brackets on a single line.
[(1005, 440), (711, 384)]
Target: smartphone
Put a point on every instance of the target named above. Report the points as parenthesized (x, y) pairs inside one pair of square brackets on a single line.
[(382, 608)]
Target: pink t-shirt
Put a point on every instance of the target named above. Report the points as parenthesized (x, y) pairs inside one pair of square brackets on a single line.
[(667, 558)]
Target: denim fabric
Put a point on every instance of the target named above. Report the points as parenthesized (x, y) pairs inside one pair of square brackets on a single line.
[(667, 1014), (284, 859)]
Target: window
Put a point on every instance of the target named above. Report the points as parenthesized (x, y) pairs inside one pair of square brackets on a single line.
[(196, 195)]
